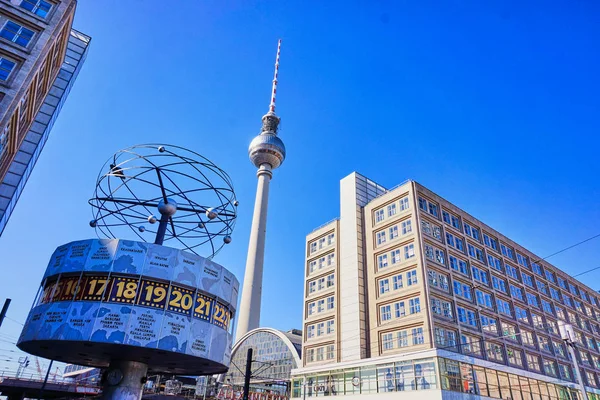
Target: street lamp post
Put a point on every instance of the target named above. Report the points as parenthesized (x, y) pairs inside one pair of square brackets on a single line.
[(567, 334)]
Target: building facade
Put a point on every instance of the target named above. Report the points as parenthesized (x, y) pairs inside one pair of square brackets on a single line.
[(40, 57), (405, 291)]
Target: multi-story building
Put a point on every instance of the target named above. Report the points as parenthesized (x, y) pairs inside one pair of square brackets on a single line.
[(40, 57), (407, 292)]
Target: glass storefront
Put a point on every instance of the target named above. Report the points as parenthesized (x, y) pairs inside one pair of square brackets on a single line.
[(422, 375), (390, 377)]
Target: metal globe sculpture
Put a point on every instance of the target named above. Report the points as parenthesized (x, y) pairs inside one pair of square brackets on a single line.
[(135, 307), (189, 196)]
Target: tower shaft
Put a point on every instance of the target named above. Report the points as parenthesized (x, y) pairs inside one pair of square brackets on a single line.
[(249, 310)]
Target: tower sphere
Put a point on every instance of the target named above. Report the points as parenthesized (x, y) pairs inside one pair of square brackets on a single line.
[(266, 148)]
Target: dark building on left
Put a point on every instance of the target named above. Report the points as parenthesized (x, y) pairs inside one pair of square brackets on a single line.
[(40, 58)]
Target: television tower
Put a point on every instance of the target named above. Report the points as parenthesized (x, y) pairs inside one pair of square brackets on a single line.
[(266, 152)]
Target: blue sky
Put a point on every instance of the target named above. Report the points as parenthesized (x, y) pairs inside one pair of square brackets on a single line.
[(493, 105)]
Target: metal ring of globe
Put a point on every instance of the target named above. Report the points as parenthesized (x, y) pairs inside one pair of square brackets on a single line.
[(190, 197)]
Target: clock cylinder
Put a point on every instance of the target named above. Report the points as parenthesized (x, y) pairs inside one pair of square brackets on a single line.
[(106, 301)]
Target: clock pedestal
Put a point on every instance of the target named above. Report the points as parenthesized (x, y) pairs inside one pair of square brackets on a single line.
[(124, 380)]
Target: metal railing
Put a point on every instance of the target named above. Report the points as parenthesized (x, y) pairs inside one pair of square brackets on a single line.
[(324, 225)]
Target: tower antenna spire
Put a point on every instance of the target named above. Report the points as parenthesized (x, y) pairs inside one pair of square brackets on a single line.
[(274, 90)]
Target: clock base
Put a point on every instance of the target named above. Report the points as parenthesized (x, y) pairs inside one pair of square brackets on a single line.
[(124, 380)]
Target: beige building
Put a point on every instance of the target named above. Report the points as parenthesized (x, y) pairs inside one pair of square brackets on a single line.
[(407, 292), (40, 56)]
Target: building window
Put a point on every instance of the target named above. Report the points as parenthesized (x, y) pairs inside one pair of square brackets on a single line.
[(397, 281), (451, 219), (395, 256), (532, 300), (480, 275), (459, 265), (475, 252), (406, 226), (547, 307), (466, 316), (527, 338), (391, 209), (330, 354), (494, 351), (527, 279), (330, 239), (561, 282), (565, 371), (470, 345), (462, 290), (310, 331), (399, 309), (409, 251), (428, 206), (330, 259), (471, 231), (517, 293), (380, 238), (511, 271), (507, 251), (312, 287), (379, 215), (411, 278), (435, 254), (393, 232), (550, 368), (320, 354), (386, 313), (509, 331), (382, 261), (538, 321), (445, 337), (330, 280), (388, 341), (414, 305), (499, 284), (536, 268), (16, 33), (320, 329), (311, 308), (438, 280), (484, 299), (544, 344), (6, 67), (404, 203), (490, 242), (330, 303), (549, 275), (489, 324), (522, 260), (417, 335), (521, 315), (559, 349), (455, 242), (503, 307), (402, 337), (494, 262), (38, 7), (310, 355), (313, 247), (330, 326), (384, 286)]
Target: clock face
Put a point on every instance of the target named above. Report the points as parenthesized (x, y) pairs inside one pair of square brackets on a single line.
[(114, 377)]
